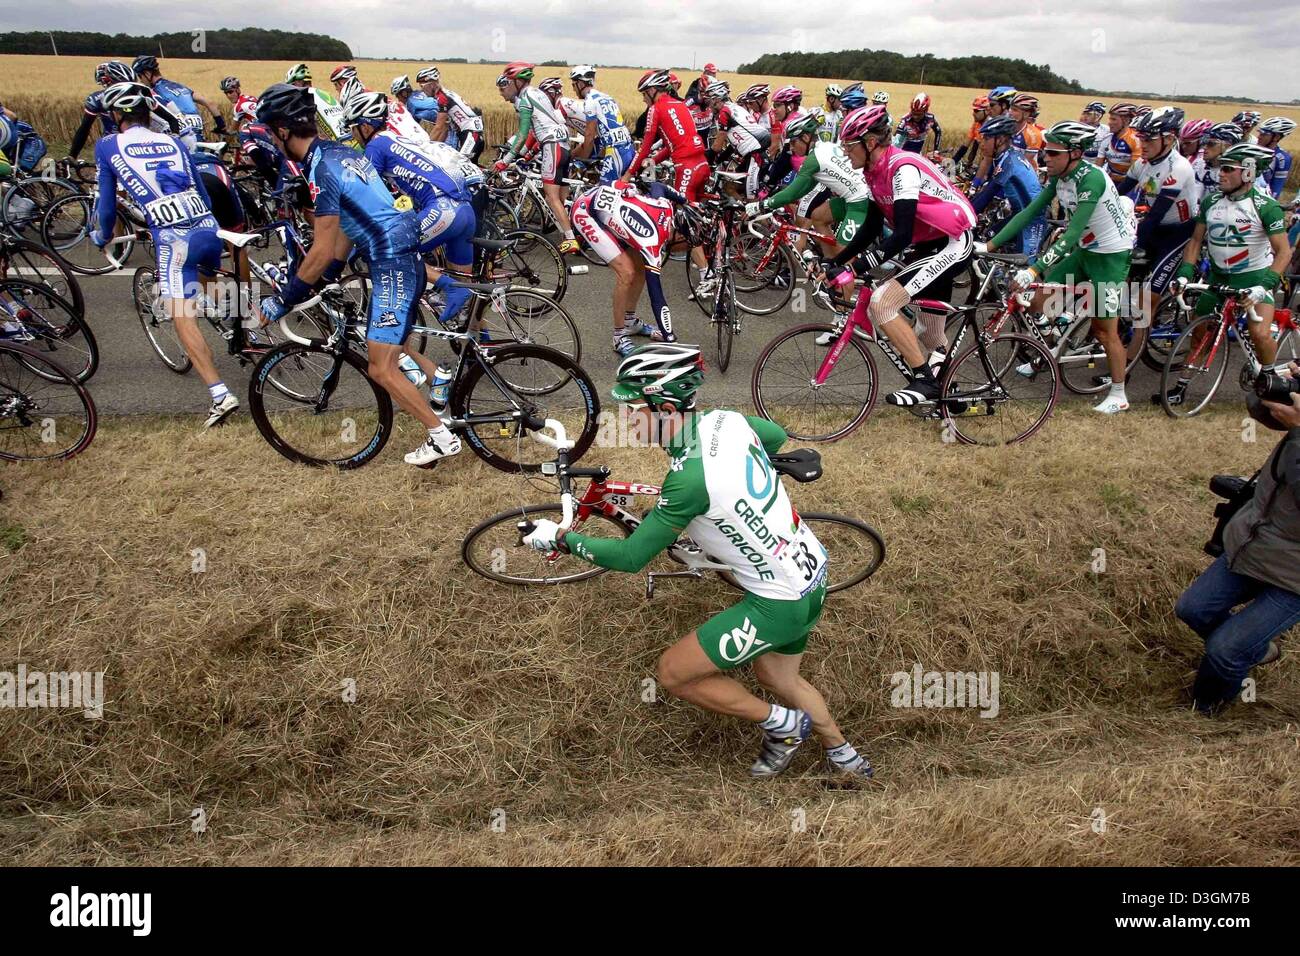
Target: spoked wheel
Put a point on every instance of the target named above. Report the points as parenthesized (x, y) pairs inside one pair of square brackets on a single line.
[(856, 550), (345, 422), (1168, 323), (784, 390), (1085, 369), (525, 381), (983, 406), (764, 276), (492, 548), (156, 322), (53, 326), (1197, 362), (530, 318), (726, 324), (45, 413), (533, 263), (65, 230), (35, 263), (24, 202)]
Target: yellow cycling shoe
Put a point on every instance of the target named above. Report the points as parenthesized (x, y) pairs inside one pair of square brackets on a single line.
[(568, 247)]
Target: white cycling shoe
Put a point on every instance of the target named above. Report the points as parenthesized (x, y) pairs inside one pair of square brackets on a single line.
[(433, 450), (779, 749), (1111, 404), (221, 410), (706, 288)]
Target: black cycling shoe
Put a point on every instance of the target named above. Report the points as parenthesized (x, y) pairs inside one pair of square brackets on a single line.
[(920, 391), (1175, 396)]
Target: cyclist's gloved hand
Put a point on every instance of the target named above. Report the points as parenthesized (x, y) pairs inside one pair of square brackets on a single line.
[(1178, 286), (219, 124), (1023, 278), (1257, 294), (867, 261), (542, 538), (273, 308), (500, 166), (981, 248), (753, 209)]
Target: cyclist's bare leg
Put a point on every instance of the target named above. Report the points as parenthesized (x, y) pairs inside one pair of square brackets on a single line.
[(183, 312), (886, 303), (554, 194), (629, 279), (383, 369), (1261, 334), (1106, 331), (779, 673), (686, 672)]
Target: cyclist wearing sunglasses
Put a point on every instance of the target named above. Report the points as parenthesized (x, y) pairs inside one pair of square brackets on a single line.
[(1096, 245)]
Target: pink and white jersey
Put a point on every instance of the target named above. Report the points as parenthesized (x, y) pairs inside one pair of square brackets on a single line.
[(940, 209), (403, 124)]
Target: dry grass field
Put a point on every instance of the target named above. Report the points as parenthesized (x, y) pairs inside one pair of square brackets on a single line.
[(224, 687), (49, 90)]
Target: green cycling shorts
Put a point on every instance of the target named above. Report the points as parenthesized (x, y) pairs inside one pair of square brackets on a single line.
[(1107, 271), (849, 218), (1208, 301), (755, 625)]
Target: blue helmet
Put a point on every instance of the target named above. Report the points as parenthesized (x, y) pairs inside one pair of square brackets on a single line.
[(1002, 94), (998, 126), (853, 97)]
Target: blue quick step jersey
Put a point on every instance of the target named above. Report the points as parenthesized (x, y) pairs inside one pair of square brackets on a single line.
[(402, 163), (181, 97), (611, 131), (344, 183), (157, 173), (423, 108), (1278, 171)]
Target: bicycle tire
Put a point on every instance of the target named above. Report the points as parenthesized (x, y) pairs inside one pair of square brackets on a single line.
[(776, 297), (262, 373), (49, 337), (36, 263), (1156, 348), (782, 383), (526, 400), (725, 323), (1175, 366), (63, 246), (158, 327), (21, 409), (987, 386), (554, 281), (510, 519)]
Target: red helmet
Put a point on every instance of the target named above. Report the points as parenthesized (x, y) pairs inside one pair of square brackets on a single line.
[(755, 92), (518, 70), (980, 103), (673, 81), (342, 73), (710, 69), (863, 120), (921, 102)]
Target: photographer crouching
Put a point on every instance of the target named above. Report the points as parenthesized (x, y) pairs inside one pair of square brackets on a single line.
[(1257, 543)]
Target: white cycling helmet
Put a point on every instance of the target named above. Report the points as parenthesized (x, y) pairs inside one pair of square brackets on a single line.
[(349, 89), (1279, 125), (126, 97), (400, 84), (366, 107), (430, 75), (880, 98), (584, 72)]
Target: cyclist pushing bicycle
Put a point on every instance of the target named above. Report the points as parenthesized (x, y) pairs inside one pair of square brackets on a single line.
[(723, 491)]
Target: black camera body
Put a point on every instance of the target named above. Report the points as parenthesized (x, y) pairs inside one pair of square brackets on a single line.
[(1273, 387), (1235, 492)]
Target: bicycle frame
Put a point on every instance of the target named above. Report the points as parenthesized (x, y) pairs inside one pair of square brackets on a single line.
[(859, 320)]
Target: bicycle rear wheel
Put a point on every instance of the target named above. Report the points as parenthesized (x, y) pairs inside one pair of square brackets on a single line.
[(530, 318), (45, 413), (1085, 369), (35, 263), (784, 391), (984, 405), (492, 549), (65, 231), (762, 288), (346, 421), (1198, 361), (156, 322), (535, 264), (54, 326), (526, 381)]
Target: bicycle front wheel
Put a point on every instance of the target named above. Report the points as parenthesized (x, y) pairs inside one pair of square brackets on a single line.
[(318, 407), (764, 276), (34, 262), (1197, 362), (726, 325), (1000, 391), (533, 263), (54, 326), (492, 549), (530, 318), (45, 413), (158, 326), (785, 391), (510, 384)]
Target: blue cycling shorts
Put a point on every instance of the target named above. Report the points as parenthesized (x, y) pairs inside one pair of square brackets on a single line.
[(615, 163), (1031, 237), (1164, 248), (449, 224), (181, 255), (395, 289)]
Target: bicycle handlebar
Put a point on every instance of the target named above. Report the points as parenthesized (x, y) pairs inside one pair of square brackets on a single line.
[(561, 440)]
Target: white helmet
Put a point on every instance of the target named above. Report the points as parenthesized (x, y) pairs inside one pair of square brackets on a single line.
[(368, 106), (430, 75), (350, 88), (880, 97), (1278, 124), (128, 96), (584, 72)]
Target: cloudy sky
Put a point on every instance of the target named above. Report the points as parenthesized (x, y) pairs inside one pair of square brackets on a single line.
[(1243, 48)]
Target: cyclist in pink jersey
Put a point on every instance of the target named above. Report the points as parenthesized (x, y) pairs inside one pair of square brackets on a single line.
[(930, 223)]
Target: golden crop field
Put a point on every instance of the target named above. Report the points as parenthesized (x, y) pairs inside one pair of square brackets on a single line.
[(48, 90)]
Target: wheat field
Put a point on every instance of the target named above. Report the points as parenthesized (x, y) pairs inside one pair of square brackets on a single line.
[(48, 90)]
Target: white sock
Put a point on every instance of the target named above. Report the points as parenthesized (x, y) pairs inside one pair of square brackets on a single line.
[(780, 720), (218, 392), (1117, 390), (844, 753)]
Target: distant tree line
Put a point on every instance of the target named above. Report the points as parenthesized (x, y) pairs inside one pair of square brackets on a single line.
[(247, 44), (886, 67)]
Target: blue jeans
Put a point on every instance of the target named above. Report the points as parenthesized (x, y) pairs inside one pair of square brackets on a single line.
[(1234, 643)]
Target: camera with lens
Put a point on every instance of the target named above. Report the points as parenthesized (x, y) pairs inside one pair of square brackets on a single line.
[(1273, 387), (1235, 491)]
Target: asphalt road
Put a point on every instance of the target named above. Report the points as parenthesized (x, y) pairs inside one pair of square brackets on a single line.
[(132, 380)]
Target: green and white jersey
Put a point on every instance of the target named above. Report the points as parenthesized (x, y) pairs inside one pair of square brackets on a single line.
[(1237, 230), (723, 492), (329, 111), (829, 166), (1111, 227), (548, 123)]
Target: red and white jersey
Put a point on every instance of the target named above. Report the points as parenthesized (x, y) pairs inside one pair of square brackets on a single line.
[(403, 124), (1172, 177), (575, 115), (670, 119), (639, 222), (941, 210), (743, 132)]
